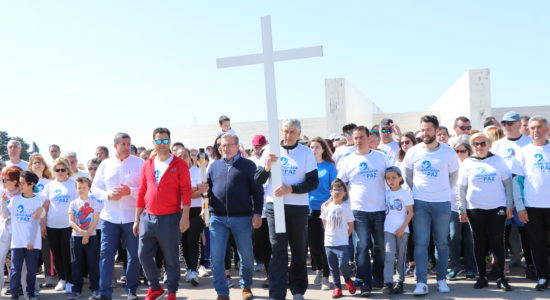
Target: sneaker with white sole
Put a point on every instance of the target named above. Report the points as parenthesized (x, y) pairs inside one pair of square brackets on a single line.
[(203, 272), (68, 288), (60, 286), (325, 285), (421, 289), (442, 286)]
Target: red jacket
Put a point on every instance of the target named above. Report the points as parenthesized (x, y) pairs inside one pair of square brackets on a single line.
[(172, 192)]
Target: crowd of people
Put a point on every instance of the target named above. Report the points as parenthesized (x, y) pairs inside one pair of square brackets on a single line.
[(363, 204)]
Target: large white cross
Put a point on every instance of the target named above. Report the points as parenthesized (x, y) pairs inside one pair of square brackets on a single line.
[(268, 57)]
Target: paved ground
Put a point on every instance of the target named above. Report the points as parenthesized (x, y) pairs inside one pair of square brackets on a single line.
[(461, 289)]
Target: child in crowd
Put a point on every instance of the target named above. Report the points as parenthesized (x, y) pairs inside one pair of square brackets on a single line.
[(338, 221), (83, 218), (225, 126), (399, 212), (25, 210)]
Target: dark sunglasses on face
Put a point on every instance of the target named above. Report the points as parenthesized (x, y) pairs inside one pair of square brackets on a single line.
[(461, 151), (60, 170), (480, 144), (338, 189), (348, 133), (165, 141), (386, 131), (405, 142), (92, 169), (507, 123), (465, 127), (4, 180)]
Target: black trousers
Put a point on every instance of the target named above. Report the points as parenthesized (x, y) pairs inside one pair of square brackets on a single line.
[(536, 228), (59, 239), (190, 239), (488, 232), (262, 246), (316, 238)]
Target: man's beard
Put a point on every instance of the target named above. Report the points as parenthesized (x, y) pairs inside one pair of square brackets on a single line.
[(429, 140)]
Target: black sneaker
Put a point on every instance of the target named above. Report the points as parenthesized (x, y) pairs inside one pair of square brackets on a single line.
[(366, 290), (481, 282), (398, 288), (388, 288), (531, 273), (377, 285), (74, 295), (542, 284)]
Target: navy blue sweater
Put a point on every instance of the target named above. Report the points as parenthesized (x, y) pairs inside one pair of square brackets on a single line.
[(234, 193)]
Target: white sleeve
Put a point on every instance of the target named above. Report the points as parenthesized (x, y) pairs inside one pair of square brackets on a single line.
[(349, 214), (453, 162), (311, 163), (98, 185)]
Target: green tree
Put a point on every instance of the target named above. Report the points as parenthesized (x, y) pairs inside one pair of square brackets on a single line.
[(5, 138)]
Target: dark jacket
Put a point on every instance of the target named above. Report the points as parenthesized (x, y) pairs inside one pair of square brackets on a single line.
[(233, 192)]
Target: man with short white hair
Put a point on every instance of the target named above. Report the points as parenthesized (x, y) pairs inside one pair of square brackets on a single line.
[(73, 163), (14, 152)]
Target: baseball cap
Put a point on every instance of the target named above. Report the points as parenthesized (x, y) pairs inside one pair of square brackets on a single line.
[(259, 140), (386, 122), (511, 116), (334, 136)]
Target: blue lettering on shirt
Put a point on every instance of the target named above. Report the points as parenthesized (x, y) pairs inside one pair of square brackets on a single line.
[(427, 169), (287, 168), (540, 163), (20, 215), (60, 198), (484, 176), (364, 171)]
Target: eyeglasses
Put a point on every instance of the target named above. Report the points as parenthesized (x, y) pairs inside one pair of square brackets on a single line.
[(507, 123), (60, 170), (374, 131), (4, 180), (165, 141), (386, 131), (338, 189), (405, 142), (480, 144), (465, 127), (348, 133), (92, 169), (461, 151), (37, 162)]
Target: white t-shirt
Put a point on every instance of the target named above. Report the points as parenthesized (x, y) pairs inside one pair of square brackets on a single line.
[(365, 177), (24, 165), (483, 179), (431, 171), (391, 150), (22, 223), (535, 162), (42, 182), (396, 209), (221, 132), (341, 152), (337, 217), (161, 167), (83, 211), (196, 178), (509, 150), (60, 195), (81, 173), (295, 164)]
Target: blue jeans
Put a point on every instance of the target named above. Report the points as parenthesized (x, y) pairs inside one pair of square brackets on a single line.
[(461, 234), (241, 228), (369, 226), (18, 256), (431, 217), (110, 237), (85, 255), (338, 261)]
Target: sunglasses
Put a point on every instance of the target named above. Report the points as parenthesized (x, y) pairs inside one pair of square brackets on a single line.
[(92, 169), (465, 127), (507, 123), (4, 180), (406, 142), (348, 133), (60, 170), (461, 151), (386, 131), (165, 141), (480, 144)]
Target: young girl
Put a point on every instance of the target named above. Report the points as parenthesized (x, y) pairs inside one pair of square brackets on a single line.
[(338, 220), (25, 209), (399, 212)]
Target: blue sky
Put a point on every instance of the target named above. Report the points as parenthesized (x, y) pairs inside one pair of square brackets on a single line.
[(77, 68)]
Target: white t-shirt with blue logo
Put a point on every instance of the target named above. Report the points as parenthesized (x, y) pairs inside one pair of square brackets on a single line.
[(396, 209), (509, 150), (342, 152), (365, 177), (42, 182), (431, 171), (391, 150), (535, 162), (22, 223), (295, 164), (161, 167), (60, 195), (483, 182)]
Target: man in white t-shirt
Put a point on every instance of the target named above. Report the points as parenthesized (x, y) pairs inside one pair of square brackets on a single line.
[(388, 145), (363, 172), (344, 150), (299, 172), (431, 172), (509, 146), (14, 152), (535, 182)]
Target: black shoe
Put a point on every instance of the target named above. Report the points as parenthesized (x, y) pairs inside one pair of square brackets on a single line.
[(502, 283), (530, 272), (481, 282), (388, 288), (377, 285), (365, 290), (398, 288), (541, 285)]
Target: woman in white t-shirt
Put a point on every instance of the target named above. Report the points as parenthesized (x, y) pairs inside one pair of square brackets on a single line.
[(485, 199), (58, 194)]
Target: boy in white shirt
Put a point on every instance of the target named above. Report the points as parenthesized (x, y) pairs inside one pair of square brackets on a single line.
[(399, 213)]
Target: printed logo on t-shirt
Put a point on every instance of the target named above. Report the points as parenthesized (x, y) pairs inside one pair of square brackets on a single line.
[(157, 174), (287, 167), (20, 215), (427, 169), (59, 197), (364, 171), (40, 187), (540, 163), (511, 153), (322, 172), (84, 215), (484, 176), (396, 204)]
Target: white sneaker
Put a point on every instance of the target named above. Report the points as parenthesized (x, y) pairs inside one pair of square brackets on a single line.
[(68, 288), (442, 286), (421, 289), (318, 278), (188, 276), (194, 279), (325, 285), (60, 286), (203, 272)]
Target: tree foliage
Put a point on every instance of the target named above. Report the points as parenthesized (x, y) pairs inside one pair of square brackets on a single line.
[(5, 138)]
